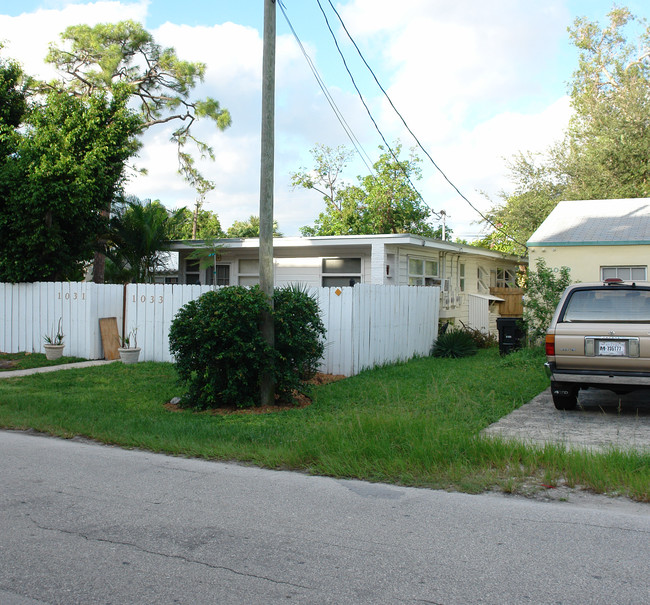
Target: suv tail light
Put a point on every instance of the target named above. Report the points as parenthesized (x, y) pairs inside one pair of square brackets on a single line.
[(550, 344)]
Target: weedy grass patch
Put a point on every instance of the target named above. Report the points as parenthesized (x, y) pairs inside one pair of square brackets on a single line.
[(416, 423)]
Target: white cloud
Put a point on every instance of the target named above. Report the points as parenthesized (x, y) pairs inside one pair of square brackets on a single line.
[(471, 81), (28, 36), (474, 81)]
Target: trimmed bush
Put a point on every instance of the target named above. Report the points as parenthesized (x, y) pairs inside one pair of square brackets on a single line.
[(454, 343), (220, 352), (299, 333)]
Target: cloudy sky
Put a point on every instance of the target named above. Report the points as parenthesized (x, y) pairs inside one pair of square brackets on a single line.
[(475, 81)]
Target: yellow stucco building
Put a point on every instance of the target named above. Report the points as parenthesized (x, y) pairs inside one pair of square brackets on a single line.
[(596, 239)]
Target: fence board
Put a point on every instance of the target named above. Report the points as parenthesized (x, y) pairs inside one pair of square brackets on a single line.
[(366, 325)]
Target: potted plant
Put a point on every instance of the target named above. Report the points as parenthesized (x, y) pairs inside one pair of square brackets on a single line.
[(54, 343), (129, 350)]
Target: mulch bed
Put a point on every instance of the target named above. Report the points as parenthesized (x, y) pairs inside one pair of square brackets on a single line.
[(300, 401)]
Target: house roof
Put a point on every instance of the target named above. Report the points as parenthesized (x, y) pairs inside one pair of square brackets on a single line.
[(595, 223), (293, 244)]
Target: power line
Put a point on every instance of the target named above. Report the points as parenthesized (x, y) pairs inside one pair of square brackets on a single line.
[(485, 218), (337, 112), (363, 101)]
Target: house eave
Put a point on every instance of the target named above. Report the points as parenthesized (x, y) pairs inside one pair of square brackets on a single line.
[(338, 241), (548, 244)]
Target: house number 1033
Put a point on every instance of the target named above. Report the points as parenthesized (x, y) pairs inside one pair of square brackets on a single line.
[(152, 299)]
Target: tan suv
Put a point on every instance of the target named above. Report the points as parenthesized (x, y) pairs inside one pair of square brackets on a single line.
[(599, 337)]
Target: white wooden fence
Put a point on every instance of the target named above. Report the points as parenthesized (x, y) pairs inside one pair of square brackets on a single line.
[(366, 325)]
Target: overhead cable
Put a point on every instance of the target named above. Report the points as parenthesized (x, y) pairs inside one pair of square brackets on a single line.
[(337, 112), (485, 218), (372, 119)]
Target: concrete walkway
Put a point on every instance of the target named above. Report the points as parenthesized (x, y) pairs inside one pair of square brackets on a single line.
[(602, 421), (63, 366)]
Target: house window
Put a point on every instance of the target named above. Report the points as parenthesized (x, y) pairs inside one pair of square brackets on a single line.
[(461, 277), (220, 272), (638, 273), (482, 280), (506, 278), (423, 272), (249, 272), (339, 272), (192, 272)]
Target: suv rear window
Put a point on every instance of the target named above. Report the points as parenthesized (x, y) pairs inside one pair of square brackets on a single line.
[(608, 304)]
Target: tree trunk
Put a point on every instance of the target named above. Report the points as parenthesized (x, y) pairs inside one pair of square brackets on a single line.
[(99, 264), (195, 219)]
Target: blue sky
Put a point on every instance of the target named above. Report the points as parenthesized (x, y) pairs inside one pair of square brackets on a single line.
[(476, 81)]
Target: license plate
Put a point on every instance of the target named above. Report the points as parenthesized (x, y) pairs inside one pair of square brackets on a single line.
[(612, 348)]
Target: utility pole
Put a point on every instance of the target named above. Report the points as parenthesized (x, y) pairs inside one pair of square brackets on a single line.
[(267, 391)]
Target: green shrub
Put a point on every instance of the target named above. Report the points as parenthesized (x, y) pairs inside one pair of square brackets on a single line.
[(299, 333), (221, 354), (454, 343), (219, 350), (543, 292)]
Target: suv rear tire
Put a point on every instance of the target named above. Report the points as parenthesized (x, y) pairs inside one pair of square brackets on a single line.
[(565, 395)]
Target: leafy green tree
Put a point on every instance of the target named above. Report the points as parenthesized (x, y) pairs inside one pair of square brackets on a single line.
[(542, 295), (384, 202), (125, 55), (13, 105), (109, 54), (538, 189), (68, 162), (250, 228), (391, 204), (207, 225), (604, 152), (608, 142), (139, 238)]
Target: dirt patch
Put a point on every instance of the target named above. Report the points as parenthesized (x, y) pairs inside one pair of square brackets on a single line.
[(300, 401), (7, 364)]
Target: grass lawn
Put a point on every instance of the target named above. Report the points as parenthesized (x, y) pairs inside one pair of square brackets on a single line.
[(415, 424)]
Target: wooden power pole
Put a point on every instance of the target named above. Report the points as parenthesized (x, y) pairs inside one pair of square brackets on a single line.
[(266, 186)]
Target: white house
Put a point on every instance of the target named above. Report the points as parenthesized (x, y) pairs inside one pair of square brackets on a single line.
[(468, 276)]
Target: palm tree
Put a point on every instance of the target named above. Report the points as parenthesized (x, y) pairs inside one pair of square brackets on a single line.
[(139, 239)]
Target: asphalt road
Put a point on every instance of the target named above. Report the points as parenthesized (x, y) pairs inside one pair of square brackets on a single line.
[(84, 523)]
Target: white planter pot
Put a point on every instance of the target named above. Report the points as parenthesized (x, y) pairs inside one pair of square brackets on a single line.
[(129, 355), (53, 351)]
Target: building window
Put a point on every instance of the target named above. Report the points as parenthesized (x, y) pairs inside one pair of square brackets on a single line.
[(638, 273), (339, 272), (506, 278), (482, 280), (222, 274), (461, 277), (192, 272), (423, 272), (249, 272)]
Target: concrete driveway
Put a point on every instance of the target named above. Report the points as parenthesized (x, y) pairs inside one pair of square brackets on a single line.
[(602, 421)]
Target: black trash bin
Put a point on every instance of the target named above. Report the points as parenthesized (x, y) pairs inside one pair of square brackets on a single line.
[(511, 334)]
